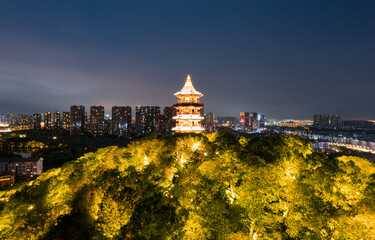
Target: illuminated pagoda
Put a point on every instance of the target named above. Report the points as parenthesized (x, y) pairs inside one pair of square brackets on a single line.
[(188, 117)]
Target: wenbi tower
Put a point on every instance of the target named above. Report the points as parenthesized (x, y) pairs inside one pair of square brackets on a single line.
[(188, 117)]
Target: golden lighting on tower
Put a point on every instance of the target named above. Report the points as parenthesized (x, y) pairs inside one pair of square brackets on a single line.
[(188, 109)]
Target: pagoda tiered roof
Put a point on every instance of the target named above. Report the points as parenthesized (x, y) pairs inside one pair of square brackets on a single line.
[(188, 89)]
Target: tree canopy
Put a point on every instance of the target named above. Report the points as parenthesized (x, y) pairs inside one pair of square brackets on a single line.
[(197, 186)]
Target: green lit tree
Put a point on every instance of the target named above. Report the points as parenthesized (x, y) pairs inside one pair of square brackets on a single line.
[(197, 186)]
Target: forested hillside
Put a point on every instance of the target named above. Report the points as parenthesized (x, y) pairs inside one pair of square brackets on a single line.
[(197, 186)]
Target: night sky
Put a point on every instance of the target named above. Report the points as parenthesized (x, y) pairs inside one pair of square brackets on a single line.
[(285, 59)]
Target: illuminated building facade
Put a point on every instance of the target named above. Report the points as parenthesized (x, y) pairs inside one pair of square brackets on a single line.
[(47, 120), (56, 120), (86, 121), (146, 119), (12, 119), (66, 120), (22, 166), (254, 121), (23, 119), (121, 120), (77, 120), (262, 121), (189, 109), (97, 120), (37, 121), (107, 124), (166, 121), (209, 122), (245, 120), (7, 179)]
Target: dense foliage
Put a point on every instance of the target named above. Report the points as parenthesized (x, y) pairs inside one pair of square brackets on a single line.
[(197, 186)]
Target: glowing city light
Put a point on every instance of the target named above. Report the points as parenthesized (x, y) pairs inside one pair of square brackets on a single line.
[(195, 146), (145, 160)]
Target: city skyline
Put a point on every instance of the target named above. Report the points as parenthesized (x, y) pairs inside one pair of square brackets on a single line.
[(108, 112), (284, 60)]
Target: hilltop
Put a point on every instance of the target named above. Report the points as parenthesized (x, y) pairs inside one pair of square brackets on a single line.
[(197, 186)]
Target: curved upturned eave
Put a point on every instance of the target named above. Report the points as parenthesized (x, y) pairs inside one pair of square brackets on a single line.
[(195, 93), (188, 88)]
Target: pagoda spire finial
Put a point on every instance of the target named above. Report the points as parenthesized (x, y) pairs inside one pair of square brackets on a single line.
[(188, 88)]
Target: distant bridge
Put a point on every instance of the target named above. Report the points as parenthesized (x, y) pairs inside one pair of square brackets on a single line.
[(354, 147)]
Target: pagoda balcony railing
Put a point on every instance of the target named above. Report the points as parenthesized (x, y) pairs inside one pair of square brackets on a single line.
[(190, 101), (188, 117), (183, 104)]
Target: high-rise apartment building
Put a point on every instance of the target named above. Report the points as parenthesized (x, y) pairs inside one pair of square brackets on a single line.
[(321, 120), (209, 122), (66, 120), (189, 109), (12, 119), (262, 121), (19, 122), (56, 120), (96, 120), (24, 122), (166, 121), (121, 120), (37, 121), (77, 120), (170, 112), (23, 119), (107, 124), (169, 122), (146, 119), (86, 121), (336, 120), (245, 120), (254, 121), (325, 120), (47, 120)]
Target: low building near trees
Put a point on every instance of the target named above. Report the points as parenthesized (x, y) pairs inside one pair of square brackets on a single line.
[(27, 167), (6, 179)]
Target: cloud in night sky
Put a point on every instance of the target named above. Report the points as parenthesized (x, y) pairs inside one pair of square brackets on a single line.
[(281, 58)]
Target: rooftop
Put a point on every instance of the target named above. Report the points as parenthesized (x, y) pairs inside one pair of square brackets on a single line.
[(188, 88), (16, 160)]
